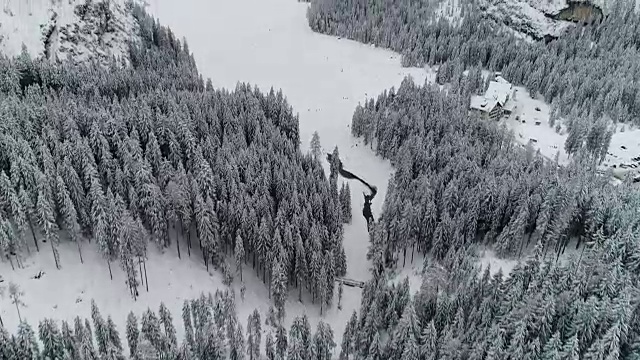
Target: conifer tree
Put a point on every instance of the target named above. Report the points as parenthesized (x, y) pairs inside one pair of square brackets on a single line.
[(114, 345), (323, 341), (7, 345), (167, 323), (239, 255), (100, 329), (237, 345), (279, 288), (316, 147), (269, 351), (26, 345), (51, 339), (188, 325), (151, 332), (281, 342), (254, 333), (45, 215), (133, 334)]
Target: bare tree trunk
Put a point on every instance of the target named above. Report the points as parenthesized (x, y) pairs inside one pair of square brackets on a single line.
[(1, 322), (404, 260), (140, 266), (178, 242), (35, 239), (11, 262), (299, 290), (189, 242), (80, 251), (109, 265), (55, 258), (579, 259), (18, 309), (146, 280)]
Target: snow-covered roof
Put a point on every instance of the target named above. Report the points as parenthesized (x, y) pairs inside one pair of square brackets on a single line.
[(500, 91), (500, 79), (481, 103)]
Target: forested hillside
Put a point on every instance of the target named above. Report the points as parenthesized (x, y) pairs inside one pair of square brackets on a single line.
[(590, 72), (460, 181), (149, 155)]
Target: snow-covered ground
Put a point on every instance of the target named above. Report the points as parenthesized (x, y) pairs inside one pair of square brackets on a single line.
[(35, 23), (63, 294), (267, 43), (624, 152)]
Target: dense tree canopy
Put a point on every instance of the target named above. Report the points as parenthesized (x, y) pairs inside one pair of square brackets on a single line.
[(591, 71), (124, 155)]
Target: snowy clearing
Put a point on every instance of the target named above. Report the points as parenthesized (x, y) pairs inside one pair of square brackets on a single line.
[(269, 44), (530, 120)]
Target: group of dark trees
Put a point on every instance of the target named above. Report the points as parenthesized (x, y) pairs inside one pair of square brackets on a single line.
[(212, 332), (149, 152)]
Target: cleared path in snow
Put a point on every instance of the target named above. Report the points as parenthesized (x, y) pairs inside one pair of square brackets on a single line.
[(269, 43)]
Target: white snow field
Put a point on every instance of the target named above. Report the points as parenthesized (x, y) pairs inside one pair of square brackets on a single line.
[(267, 43)]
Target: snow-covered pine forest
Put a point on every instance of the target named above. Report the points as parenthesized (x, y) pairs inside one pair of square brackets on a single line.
[(590, 75), (151, 155), (461, 181), (141, 156), (212, 331)]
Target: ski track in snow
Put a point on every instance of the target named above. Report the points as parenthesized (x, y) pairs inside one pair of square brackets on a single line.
[(269, 44)]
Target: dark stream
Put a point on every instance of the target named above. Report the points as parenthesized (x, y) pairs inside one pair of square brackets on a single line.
[(366, 210)]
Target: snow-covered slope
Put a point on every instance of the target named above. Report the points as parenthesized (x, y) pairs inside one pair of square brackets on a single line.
[(74, 30), (524, 18), (542, 19)]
